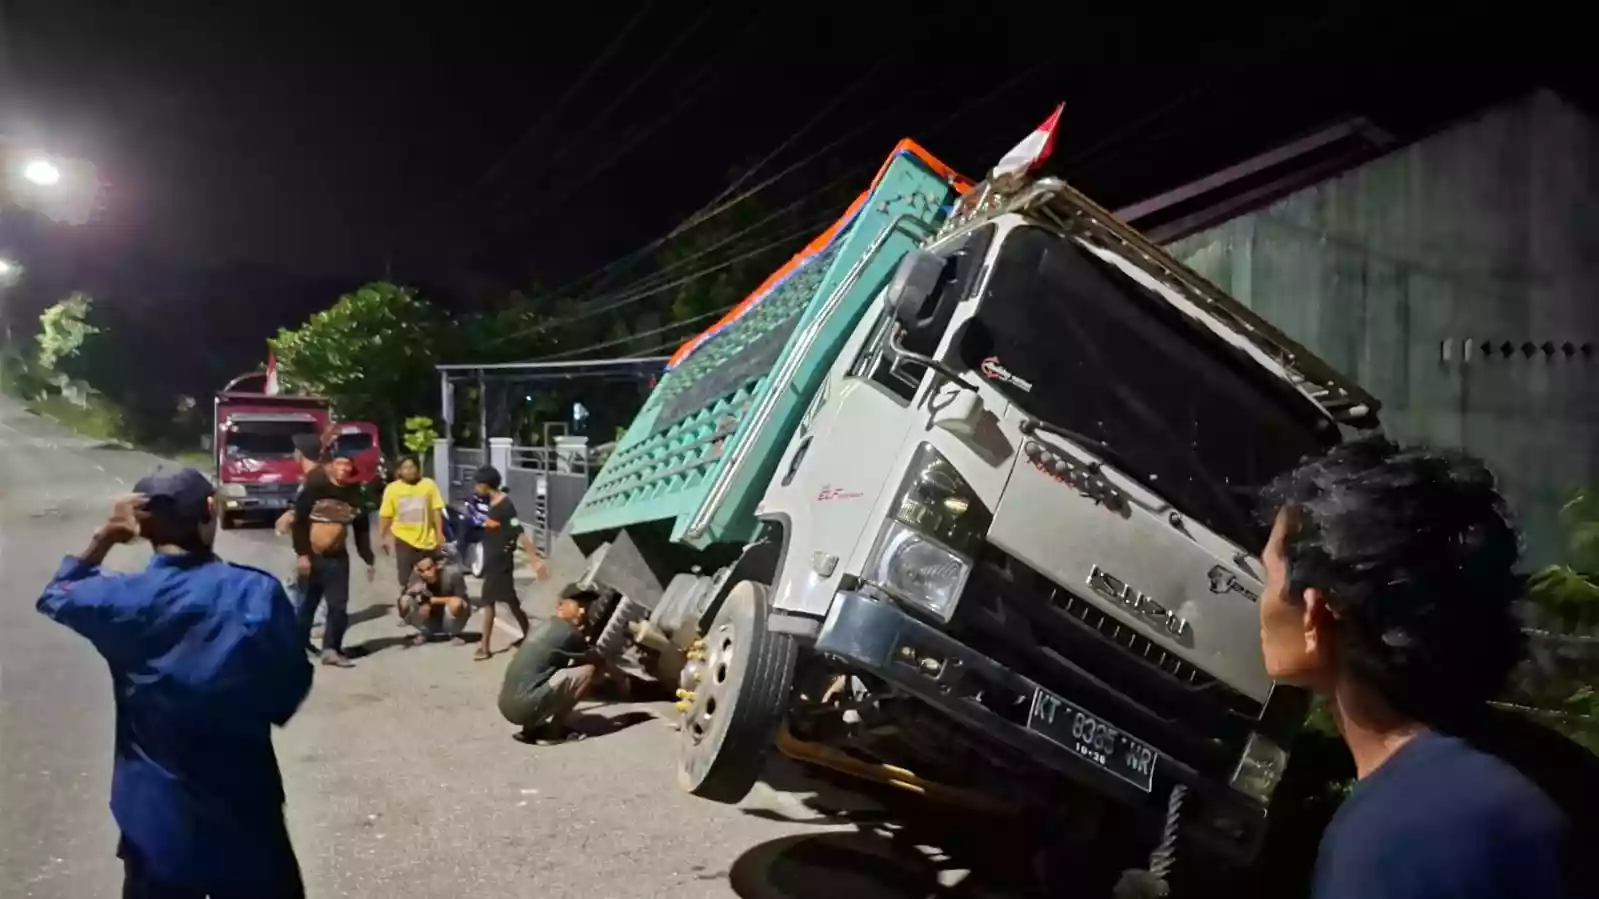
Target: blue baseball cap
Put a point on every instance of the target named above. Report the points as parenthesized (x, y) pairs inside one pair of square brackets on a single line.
[(180, 497)]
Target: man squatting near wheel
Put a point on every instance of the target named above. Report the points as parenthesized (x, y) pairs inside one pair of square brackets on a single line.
[(552, 671)]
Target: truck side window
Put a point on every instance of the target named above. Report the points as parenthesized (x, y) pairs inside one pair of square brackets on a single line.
[(876, 365)]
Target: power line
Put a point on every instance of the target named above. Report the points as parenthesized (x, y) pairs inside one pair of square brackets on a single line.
[(630, 298), (716, 207), (715, 210), (572, 89), (827, 108), (706, 251), (574, 185), (653, 331), (527, 135), (669, 345), (1102, 151), (620, 97)]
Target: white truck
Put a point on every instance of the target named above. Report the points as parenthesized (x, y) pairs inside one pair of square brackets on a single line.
[(962, 501)]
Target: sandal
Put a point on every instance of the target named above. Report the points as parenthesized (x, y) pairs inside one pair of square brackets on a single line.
[(482, 655)]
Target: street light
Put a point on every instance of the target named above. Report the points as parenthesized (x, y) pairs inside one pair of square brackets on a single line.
[(42, 172), (7, 267)]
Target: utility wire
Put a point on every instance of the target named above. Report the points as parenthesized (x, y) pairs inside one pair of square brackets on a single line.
[(826, 110), (1104, 150), (716, 207), (572, 89), (631, 293), (493, 169), (690, 95), (706, 251), (653, 331), (628, 299), (617, 100), (669, 345)]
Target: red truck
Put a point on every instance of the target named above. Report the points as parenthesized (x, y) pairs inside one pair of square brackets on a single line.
[(253, 446)]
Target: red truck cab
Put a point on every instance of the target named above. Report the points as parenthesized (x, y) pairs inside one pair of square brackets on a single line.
[(253, 445)]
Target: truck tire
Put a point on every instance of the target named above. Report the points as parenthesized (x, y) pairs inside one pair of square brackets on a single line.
[(739, 701)]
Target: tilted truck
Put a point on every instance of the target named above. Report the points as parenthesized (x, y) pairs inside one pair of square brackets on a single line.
[(962, 500)]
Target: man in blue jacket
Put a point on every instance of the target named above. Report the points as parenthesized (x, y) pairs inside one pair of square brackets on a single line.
[(205, 656)]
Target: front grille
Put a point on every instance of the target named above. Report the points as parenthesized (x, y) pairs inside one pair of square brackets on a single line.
[(1022, 619), (1135, 643)]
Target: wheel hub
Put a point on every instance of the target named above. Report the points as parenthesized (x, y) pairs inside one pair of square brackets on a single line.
[(717, 680)]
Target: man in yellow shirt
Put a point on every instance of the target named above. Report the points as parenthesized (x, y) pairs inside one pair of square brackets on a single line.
[(412, 512)]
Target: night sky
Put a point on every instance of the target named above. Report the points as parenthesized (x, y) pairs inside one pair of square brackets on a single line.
[(464, 148)]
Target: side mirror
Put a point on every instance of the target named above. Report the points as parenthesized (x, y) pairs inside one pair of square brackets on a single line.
[(914, 284)]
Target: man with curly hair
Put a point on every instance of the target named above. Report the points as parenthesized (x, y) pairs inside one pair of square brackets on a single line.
[(1390, 584)]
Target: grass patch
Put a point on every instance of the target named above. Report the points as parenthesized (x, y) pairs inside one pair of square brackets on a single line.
[(97, 419), (199, 459)]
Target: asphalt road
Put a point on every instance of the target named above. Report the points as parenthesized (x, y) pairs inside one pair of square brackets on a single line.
[(402, 779)]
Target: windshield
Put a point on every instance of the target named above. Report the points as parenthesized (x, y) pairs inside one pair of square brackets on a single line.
[(350, 445), (265, 439), (1074, 341)]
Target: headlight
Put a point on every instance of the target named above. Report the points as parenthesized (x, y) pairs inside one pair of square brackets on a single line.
[(232, 489), (1260, 769), (924, 552)]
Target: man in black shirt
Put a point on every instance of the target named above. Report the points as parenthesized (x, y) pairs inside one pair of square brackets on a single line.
[(502, 534), (1389, 589), (552, 670), (326, 509)]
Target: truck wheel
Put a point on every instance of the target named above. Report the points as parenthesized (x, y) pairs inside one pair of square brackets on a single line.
[(739, 701)]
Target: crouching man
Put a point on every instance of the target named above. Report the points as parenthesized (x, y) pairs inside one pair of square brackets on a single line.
[(436, 591), (552, 671)]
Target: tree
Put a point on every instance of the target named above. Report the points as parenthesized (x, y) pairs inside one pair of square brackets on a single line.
[(1556, 684), (372, 353), (63, 328)]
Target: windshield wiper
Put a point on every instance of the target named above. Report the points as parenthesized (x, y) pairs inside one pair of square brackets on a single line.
[(1031, 425)]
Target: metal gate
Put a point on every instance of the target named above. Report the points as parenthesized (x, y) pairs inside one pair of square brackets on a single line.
[(464, 463), (547, 484)]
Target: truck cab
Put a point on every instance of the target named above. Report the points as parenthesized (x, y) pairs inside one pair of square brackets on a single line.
[(253, 445), (1005, 549)]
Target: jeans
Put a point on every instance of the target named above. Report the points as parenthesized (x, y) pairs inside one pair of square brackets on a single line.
[(329, 580)]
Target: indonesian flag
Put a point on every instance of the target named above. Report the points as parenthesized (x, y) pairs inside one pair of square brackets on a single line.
[(1027, 155), (272, 387)]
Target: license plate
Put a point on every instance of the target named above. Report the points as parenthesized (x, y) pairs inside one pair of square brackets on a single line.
[(1093, 740), (274, 503)]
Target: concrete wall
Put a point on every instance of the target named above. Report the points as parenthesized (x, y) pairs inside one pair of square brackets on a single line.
[(1399, 273)]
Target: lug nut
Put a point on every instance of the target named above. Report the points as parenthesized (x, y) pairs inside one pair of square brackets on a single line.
[(687, 695), (683, 707)]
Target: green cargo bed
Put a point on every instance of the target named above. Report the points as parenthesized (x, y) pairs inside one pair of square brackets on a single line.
[(702, 450)]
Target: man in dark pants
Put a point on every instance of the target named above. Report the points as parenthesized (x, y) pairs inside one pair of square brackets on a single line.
[(205, 657), (552, 671), (502, 534), (327, 508), (1390, 591)]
